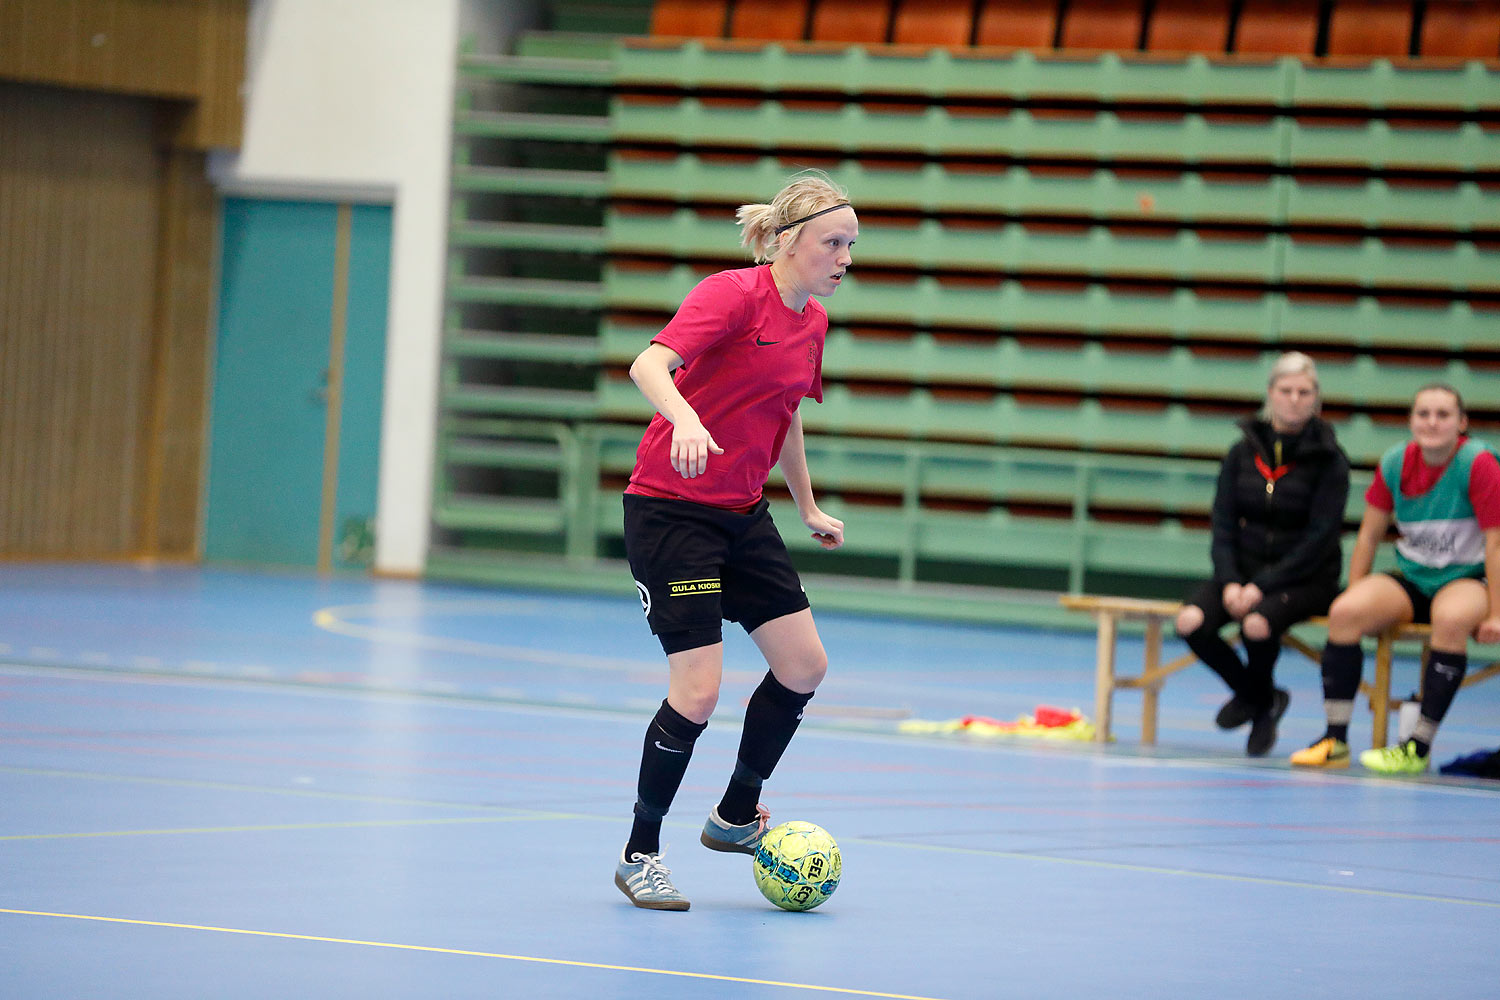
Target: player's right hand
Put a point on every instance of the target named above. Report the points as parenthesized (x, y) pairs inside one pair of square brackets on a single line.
[(691, 446)]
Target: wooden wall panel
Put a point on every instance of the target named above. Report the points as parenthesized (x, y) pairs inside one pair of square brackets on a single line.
[(146, 47), (86, 326), (176, 435), (216, 120), (191, 52)]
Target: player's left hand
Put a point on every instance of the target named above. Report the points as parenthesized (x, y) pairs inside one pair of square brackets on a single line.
[(1488, 630), (827, 531)]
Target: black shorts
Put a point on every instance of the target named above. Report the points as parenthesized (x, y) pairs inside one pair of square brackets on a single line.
[(696, 565), (1421, 604), (1281, 608)]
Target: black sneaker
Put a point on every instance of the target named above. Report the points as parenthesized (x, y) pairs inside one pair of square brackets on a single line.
[(1263, 725), (1234, 713)]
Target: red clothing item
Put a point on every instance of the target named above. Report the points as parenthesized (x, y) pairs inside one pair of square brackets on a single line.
[(1417, 477), (749, 361)]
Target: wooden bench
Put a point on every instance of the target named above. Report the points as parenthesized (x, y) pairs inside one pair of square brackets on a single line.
[(1109, 612)]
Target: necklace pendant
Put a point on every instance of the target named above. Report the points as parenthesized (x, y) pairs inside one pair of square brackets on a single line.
[(1270, 488)]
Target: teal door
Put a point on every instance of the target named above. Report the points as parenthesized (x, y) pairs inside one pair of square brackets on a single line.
[(298, 376)]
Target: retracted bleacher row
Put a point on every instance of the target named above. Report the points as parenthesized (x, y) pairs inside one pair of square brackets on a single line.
[(1073, 272), (1433, 29)]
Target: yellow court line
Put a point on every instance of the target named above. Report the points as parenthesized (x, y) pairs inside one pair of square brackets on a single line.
[(285, 827), (467, 953)]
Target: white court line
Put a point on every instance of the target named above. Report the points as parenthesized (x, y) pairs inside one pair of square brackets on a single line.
[(811, 727)]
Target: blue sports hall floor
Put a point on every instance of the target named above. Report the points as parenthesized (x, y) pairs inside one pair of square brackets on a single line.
[(230, 784)]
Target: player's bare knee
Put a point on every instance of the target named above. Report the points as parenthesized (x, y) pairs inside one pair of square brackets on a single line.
[(1457, 611), (816, 670), (1189, 620), (812, 670), (1345, 620), (695, 704), (805, 672), (1255, 627), (1451, 632)]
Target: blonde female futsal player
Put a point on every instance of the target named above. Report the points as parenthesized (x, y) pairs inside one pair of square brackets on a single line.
[(726, 377)]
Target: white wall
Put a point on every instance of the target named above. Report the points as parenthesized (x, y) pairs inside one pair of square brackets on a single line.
[(353, 99)]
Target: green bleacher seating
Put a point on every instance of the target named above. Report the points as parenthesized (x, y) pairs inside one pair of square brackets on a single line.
[(1458, 266), (525, 291), (529, 181), (1367, 323), (1191, 138), (929, 245), (522, 346), (1461, 207), (523, 401), (1190, 80), (527, 236), (579, 45), (595, 72), (1174, 372), (1073, 272), (1181, 79), (1100, 193), (1465, 148), (523, 125), (1381, 85), (1005, 305)]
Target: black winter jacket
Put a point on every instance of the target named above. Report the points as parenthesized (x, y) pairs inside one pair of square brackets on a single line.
[(1287, 534)]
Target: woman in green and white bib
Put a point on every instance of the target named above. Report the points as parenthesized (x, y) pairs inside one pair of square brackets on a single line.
[(1441, 490)]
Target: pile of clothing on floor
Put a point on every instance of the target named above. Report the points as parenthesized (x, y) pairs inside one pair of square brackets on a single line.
[(1480, 764), (1047, 722)]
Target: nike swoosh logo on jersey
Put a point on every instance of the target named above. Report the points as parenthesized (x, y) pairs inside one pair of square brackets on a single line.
[(764, 343), (667, 749)]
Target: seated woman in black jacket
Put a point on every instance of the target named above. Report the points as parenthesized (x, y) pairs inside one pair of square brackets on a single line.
[(1278, 513)]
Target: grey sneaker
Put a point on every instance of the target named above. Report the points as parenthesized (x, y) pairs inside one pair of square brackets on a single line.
[(648, 883), (718, 835)]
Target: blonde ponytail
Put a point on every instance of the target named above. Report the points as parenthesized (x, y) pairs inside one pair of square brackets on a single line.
[(762, 227)]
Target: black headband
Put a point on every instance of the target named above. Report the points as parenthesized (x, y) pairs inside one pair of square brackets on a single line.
[(805, 218)]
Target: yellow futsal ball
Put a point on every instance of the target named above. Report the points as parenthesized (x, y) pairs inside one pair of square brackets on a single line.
[(797, 865)]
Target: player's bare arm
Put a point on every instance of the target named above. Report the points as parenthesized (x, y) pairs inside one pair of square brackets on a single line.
[(691, 443), (828, 531)]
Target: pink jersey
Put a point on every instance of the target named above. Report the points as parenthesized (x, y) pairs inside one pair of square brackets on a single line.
[(1417, 477), (748, 362)]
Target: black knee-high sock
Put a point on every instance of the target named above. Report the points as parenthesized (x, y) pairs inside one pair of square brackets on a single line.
[(771, 719), (1440, 682), (1342, 665), (1218, 656), (1260, 667), (664, 760)]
